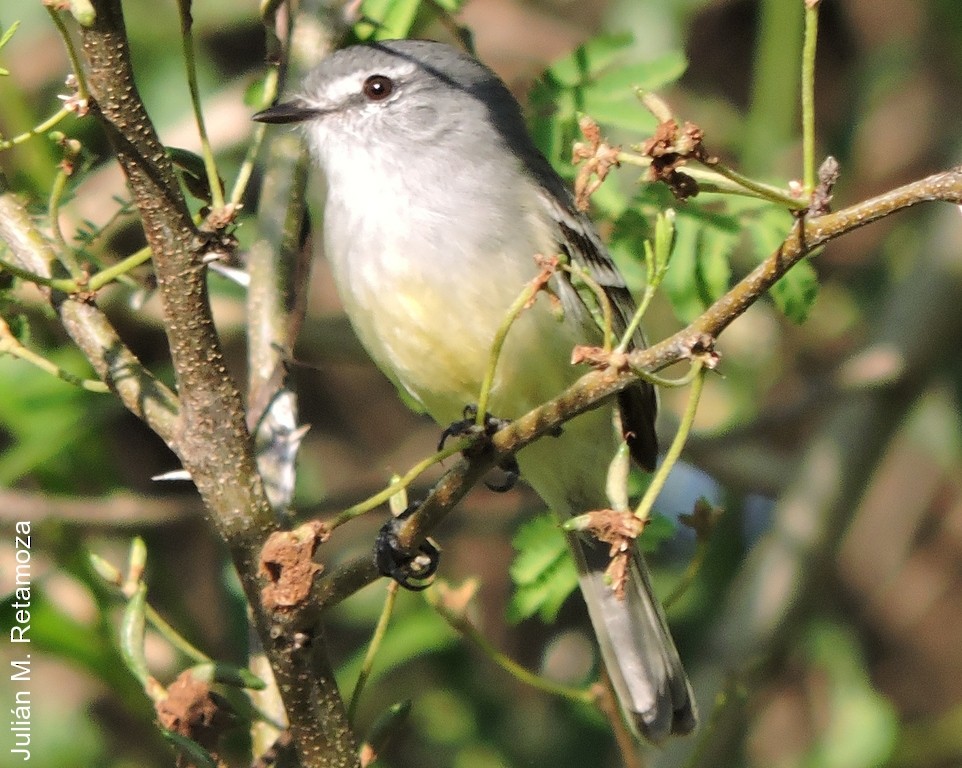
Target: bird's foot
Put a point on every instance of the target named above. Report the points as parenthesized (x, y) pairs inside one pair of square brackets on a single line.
[(411, 568), (469, 426)]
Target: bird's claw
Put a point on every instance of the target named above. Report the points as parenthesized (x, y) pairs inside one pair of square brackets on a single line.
[(412, 569), (469, 425)]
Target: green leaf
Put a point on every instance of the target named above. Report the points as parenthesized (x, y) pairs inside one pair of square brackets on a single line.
[(8, 33), (4, 39), (388, 19), (612, 98), (415, 630), (699, 271), (543, 571), (589, 60), (54, 632), (796, 292), (451, 6), (861, 725), (600, 79), (132, 629), (54, 430), (195, 753), (192, 170), (227, 674)]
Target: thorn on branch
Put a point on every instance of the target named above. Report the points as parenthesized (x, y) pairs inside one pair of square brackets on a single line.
[(670, 148), (598, 159), (828, 174), (287, 563)]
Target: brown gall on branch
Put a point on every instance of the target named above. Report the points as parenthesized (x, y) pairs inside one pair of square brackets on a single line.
[(193, 711), (287, 564), (618, 529), (596, 157), (670, 148)]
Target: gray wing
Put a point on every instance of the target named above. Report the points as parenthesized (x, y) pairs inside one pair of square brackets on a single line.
[(578, 239)]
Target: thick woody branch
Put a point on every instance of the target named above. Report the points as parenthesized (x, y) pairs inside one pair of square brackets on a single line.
[(210, 436), (594, 388)]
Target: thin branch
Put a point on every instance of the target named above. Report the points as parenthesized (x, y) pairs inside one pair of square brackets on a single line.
[(594, 387), (920, 325), (90, 329), (187, 46), (808, 96), (658, 480)]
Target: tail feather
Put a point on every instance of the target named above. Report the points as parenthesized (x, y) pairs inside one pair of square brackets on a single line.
[(568, 472), (636, 646)]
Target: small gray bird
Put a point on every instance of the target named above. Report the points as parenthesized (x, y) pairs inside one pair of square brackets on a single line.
[(437, 204)]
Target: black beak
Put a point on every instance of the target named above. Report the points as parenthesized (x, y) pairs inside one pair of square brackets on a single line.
[(291, 112)]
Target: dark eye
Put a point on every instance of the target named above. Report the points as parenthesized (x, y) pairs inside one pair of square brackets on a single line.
[(378, 87)]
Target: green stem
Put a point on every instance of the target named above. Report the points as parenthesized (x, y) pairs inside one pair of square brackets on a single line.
[(9, 344), (764, 191), (514, 311), (808, 94), (37, 130), (772, 123), (657, 257), (464, 627), (661, 381), (629, 333), (83, 92), (722, 180), (404, 481), (173, 636), (375, 645), (271, 82), (122, 267), (65, 285), (210, 166), (688, 577), (65, 253), (643, 511), (603, 301)]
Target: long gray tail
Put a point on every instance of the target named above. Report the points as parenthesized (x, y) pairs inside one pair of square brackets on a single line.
[(636, 646)]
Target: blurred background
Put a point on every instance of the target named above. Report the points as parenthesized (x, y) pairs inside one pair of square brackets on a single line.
[(832, 583)]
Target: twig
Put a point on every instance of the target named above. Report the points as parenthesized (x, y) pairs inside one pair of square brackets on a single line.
[(460, 623), (380, 630), (596, 386), (808, 96), (643, 510)]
